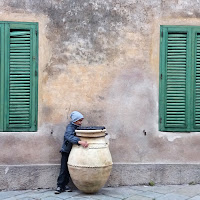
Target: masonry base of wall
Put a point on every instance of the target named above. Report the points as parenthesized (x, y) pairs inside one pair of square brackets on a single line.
[(15, 177)]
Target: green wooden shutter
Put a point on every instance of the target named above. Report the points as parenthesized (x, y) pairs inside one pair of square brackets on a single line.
[(196, 121), (21, 78), (1, 76), (176, 80), (173, 79)]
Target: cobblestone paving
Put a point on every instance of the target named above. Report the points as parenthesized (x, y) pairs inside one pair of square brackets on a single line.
[(167, 192)]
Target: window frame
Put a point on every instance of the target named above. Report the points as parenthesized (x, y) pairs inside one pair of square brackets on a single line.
[(191, 67), (5, 26)]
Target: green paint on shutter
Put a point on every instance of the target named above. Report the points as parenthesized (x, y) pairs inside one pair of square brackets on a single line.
[(174, 61), (1, 76), (21, 87), (176, 80), (197, 83), (179, 98)]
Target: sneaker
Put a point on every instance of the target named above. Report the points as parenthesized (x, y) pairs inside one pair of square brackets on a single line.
[(58, 190), (68, 189)]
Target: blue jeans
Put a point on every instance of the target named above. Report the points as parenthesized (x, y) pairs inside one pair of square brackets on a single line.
[(63, 178)]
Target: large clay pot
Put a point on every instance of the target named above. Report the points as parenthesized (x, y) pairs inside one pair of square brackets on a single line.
[(90, 167)]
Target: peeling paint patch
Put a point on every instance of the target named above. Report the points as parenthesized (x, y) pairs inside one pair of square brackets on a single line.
[(170, 136)]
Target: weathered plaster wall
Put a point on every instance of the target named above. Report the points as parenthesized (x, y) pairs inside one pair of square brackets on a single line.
[(101, 58)]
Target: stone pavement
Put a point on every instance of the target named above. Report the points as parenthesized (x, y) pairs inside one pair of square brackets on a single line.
[(167, 192)]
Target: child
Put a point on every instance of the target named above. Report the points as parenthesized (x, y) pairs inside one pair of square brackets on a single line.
[(69, 140)]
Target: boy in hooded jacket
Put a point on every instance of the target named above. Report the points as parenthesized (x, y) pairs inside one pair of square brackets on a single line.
[(69, 140)]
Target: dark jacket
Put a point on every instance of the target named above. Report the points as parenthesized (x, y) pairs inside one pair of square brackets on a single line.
[(69, 138)]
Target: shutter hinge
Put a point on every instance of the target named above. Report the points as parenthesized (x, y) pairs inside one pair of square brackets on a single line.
[(161, 76), (160, 120), (35, 122), (36, 32), (36, 73)]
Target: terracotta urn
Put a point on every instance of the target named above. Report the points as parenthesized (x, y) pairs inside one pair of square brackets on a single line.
[(90, 167)]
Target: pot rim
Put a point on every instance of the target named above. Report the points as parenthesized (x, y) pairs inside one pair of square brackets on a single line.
[(90, 131)]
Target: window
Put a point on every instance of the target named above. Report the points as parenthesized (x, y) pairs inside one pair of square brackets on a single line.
[(18, 76), (179, 103)]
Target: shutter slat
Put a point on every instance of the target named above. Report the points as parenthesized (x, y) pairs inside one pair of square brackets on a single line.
[(19, 101), (19, 51), (19, 126), (176, 51), (17, 71), (24, 119), (19, 106), (18, 95), (19, 33), (176, 54), (19, 45), (18, 122), (22, 91), (19, 114), (22, 39), (16, 110), (176, 39), (19, 67), (20, 59), (175, 123), (16, 56)]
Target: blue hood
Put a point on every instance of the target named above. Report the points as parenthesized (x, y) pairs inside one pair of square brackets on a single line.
[(75, 116)]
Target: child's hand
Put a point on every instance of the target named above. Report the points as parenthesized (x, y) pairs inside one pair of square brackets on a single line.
[(83, 143)]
